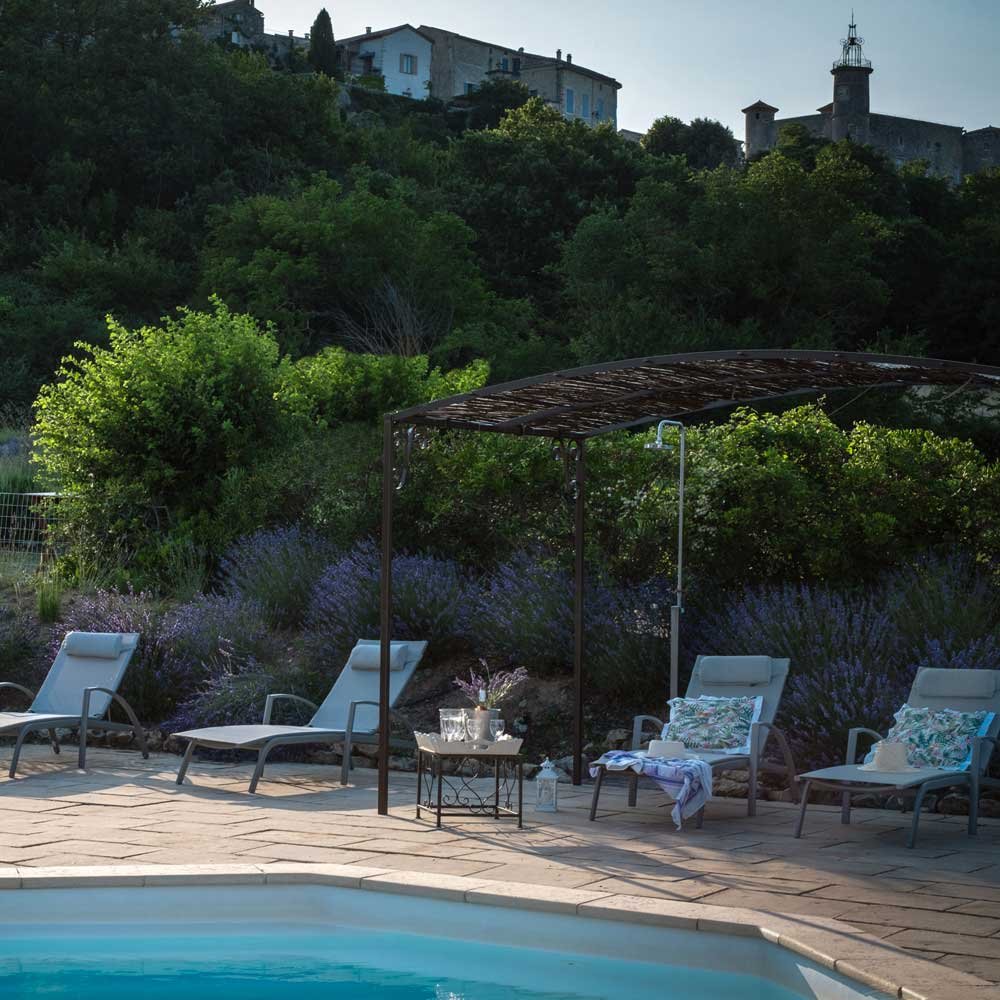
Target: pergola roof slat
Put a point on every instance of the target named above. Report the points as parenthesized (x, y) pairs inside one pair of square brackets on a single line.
[(586, 402)]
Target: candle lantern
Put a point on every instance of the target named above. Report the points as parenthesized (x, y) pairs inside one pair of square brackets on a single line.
[(547, 788)]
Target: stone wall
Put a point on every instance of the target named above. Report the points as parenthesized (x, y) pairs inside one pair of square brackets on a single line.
[(906, 139), (981, 149)]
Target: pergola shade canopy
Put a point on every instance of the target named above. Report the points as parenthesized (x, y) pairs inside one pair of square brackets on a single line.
[(586, 402), (573, 406)]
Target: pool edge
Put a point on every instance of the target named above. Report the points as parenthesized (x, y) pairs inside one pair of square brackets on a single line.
[(830, 943)]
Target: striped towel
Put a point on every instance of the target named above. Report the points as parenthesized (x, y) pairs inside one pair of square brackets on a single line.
[(687, 781)]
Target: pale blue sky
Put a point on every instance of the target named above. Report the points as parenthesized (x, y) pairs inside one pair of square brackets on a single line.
[(938, 60)]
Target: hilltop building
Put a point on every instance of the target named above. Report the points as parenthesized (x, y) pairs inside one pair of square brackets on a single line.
[(425, 61), (951, 151), (241, 23), (460, 64), (402, 56)]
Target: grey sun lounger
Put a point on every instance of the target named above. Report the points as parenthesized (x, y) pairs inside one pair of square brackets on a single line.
[(728, 677), (935, 688), (77, 692), (348, 715)]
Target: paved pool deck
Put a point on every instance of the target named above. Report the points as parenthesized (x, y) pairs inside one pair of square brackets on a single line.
[(939, 902)]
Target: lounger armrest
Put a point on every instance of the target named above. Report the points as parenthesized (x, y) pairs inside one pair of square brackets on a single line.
[(85, 720), (852, 742), (982, 749), (637, 724), (271, 699), (30, 695)]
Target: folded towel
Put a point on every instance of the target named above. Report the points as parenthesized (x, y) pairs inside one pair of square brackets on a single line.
[(688, 782)]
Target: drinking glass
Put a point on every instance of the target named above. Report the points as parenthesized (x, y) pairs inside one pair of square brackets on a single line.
[(452, 724), (496, 728)]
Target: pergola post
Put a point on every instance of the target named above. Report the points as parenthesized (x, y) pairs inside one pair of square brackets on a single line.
[(579, 625), (385, 613)]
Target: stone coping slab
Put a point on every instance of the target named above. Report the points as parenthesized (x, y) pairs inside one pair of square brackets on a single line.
[(829, 943)]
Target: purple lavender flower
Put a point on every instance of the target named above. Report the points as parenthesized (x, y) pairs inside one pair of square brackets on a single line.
[(277, 569)]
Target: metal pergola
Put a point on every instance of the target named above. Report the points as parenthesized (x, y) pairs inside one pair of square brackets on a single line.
[(571, 407)]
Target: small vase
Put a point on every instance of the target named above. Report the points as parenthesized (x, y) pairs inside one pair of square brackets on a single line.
[(477, 723)]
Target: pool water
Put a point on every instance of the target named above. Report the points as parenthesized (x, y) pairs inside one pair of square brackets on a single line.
[(298, 962)]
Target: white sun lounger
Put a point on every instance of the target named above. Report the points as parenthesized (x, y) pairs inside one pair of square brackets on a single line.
[(728, 677), (936, 688), (77, 692), (349, 713)]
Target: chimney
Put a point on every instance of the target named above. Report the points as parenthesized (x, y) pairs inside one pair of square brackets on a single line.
[(291, 33), (569, 57), (521, 50), (558, 55), (368, 29)]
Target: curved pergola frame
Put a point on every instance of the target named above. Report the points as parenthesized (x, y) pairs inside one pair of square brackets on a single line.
[(572, 406)]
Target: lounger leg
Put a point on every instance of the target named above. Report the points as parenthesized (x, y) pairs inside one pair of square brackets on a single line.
[(802, 808), (345, 764), (81, 756), (845, 808), (261, 761), (633, 787), (699, 821), (752, 787), (597, 792), (918, 803), (185, 760), (21, 736), (54, 740), (973, 800)]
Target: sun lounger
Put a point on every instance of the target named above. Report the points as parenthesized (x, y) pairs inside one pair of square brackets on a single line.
[(727, 677), (78, 691), (934, 688), (348, 715)]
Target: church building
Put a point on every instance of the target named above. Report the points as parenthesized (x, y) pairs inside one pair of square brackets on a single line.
[(949, 149)]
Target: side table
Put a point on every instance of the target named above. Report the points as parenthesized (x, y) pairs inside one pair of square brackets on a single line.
[(463, 794)]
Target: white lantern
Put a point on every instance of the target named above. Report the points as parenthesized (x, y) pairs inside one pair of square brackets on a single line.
[(547, 788)]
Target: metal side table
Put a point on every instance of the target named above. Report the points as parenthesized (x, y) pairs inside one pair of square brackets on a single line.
[(494, 788)]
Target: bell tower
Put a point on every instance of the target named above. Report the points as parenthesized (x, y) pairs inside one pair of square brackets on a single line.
[(851, 99)]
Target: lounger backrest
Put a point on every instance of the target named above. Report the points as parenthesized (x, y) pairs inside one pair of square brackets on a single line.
[(740, 677), (359, 681), (85, 659), (961, 690)]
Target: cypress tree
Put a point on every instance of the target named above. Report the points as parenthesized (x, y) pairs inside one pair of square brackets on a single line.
[(323, 55)]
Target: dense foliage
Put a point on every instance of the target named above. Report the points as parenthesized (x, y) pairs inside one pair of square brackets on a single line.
[(216, 275), (154, 169), (166, 437)]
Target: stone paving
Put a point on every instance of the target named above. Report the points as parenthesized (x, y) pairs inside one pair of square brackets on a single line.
[(940, 901)]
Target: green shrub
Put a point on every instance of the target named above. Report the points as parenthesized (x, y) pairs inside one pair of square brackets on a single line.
[(770, 497), (48, 600), (147, 429)]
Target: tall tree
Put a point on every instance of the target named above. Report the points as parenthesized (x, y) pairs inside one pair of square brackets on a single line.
[(323, 55)]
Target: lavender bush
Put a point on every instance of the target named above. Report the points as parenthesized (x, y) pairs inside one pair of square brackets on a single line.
[(21, 655), (178, 648), (429, 597), (277, 569), (150, 683), (234, 692), (524, 610), (854, 653)]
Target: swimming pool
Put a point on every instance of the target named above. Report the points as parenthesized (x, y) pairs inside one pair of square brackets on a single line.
[(303, 942)]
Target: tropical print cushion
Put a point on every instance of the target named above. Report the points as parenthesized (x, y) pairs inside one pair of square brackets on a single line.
[(709, 723), (939, 738)]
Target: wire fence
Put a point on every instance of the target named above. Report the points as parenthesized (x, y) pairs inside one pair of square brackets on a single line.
[(27, 530)]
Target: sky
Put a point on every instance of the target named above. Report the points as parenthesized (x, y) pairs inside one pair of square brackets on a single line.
[(937, 60)]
